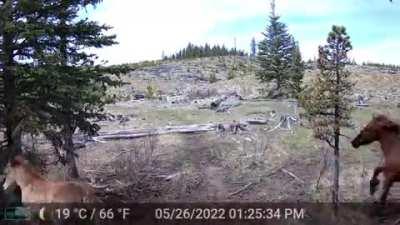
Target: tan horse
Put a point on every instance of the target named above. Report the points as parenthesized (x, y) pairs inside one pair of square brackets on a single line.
[(36, 189), (386, 132)]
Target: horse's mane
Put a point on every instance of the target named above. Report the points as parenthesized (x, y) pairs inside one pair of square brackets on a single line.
[(33, 171), (388, 123), (20, 161)]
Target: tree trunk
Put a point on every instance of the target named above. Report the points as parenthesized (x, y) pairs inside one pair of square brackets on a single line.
[(335, 194), (278, 84), (71, 170), (335, 190), (12, 134)]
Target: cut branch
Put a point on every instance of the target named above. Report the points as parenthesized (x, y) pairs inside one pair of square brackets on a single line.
[(242, 189), (329, 143), (292, 175)]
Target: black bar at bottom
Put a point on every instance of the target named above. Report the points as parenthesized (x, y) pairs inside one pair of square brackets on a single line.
[(211, 214)]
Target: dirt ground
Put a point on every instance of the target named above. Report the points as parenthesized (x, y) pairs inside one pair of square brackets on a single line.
[(199, 172), (282, 166), (252, 166)]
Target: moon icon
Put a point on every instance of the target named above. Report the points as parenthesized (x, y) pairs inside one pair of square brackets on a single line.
[(41, 214)]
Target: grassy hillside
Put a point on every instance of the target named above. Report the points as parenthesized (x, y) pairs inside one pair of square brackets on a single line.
[(211, 166), (237, 73)]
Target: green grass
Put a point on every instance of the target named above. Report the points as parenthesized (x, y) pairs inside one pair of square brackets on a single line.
[(249, 108), (301, 142), (178, 116), (150, 116)]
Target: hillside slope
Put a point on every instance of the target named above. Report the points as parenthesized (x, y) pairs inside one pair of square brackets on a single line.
[(214, 165), (182, 77)]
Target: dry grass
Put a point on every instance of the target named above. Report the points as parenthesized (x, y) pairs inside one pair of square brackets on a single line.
[(209, 166), (250, 157)]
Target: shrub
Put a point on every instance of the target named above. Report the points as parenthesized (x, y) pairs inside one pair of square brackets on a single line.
[(151, 91), (231, 74), (212, 78)]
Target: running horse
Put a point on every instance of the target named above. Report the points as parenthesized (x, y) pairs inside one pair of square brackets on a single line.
[(386, 132), (36, 189)]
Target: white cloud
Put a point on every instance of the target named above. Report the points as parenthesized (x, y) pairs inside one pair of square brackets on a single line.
[(309, 7), (145, 28), (384, 51)]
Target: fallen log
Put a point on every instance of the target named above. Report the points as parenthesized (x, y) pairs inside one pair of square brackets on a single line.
[(234, 127), (257, 121), (131, 134), (286, 122)]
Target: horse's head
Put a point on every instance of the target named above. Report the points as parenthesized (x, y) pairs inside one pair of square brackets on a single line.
[(374, 130), (11, 172)]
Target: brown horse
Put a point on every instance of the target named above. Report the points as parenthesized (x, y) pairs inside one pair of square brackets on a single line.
[(36, 189), (386, 132)]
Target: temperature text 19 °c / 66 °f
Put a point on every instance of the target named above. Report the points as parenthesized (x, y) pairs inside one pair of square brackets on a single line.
[(93, 213)]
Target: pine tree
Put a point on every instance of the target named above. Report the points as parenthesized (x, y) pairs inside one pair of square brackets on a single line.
[(327, 102), (163, 56), (49, 84), (21, 25), (77, 93), (253, 48), (296, 72), (275, 53), (194, 51)]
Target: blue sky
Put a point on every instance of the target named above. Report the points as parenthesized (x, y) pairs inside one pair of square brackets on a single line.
[(146, 28)]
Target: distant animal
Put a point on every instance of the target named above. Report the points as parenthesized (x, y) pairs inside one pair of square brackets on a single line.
[(386, 132), (36, 189)]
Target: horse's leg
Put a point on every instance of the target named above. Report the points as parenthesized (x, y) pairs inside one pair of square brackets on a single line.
[(374, 180), (387, 184)]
